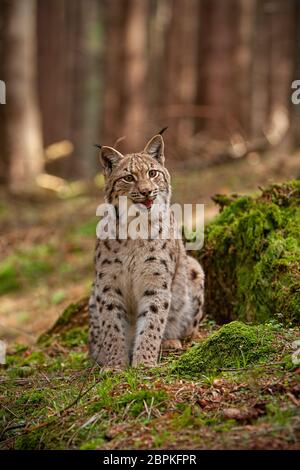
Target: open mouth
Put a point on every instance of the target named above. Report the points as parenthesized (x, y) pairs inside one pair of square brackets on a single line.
[(147, 203)]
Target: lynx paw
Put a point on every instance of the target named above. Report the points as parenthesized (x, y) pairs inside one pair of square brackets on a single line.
[(113, 368), (196, 334), (169, 344), (141, 361)]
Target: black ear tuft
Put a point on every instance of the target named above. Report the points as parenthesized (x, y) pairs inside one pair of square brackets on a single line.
[(163, 130), (98, 146)]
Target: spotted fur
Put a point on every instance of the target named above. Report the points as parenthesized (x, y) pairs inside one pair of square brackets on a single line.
[(146, 292)]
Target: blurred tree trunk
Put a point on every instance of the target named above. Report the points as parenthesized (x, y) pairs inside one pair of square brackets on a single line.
[(261, 67), (22, 126), (159, 19), (53, 70), (281, 62), (219, 36), (243, 67), (125, 102), (68, 63), (113, 69), (295, 108), (4, 155), (134, 74), (272, 70), (182, 69), (86, 102), (57, 51)]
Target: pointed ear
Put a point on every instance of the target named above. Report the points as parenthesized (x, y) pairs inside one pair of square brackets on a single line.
[(155, 148), (109, 158)]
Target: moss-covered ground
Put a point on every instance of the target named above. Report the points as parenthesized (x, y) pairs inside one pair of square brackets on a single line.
[(234, 345), (236, 387)]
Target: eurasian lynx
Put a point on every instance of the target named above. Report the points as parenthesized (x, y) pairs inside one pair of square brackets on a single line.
[(147, 292)]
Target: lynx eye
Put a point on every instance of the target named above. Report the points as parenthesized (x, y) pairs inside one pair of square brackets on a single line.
[(152, 173), (128, 178)]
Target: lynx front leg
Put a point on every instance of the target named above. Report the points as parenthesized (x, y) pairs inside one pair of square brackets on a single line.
[(109, 329), (151, 323)]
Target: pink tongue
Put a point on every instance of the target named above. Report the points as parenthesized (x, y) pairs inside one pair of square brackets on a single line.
[(148, 203)]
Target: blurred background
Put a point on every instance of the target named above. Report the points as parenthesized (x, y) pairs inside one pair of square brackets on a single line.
[(218, 73)]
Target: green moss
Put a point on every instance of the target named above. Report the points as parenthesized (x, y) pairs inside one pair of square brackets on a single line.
[(160, 438), (8, 278), (278, 415), (19, 359), (93, 444), (136, 401), (26, 266), (234, 345), (31, 398), (104, 397), (70, 328), (21, 365), (73, 361), (20, 372), (88, 229), (76, 360), (67, 314), (58, 296), (185, 418), (29, 441), (35, 358), (75, 337), (39, 439), (252, 257)]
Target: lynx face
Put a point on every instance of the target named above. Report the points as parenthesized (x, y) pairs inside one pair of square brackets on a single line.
[(141, 177)]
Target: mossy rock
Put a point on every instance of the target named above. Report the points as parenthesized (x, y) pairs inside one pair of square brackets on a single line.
[(71, 326), (235, 345), (251, 257)]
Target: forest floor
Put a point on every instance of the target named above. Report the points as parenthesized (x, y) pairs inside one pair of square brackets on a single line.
[(54, 398)]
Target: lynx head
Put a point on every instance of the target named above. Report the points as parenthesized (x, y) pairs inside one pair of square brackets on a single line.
[(142, 176)]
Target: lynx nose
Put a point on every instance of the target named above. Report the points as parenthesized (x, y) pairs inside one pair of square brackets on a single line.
[(145, 192)]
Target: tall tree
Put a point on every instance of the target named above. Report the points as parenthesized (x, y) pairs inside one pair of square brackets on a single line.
[(218, 41), (259, 101), (114, 14), (243, 64), (85, 90), (134, 73), (57, 50), (69, 62), (22, 126), (295, 108), (182, 67), (125, 67), (4, 156), (281, 62)]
